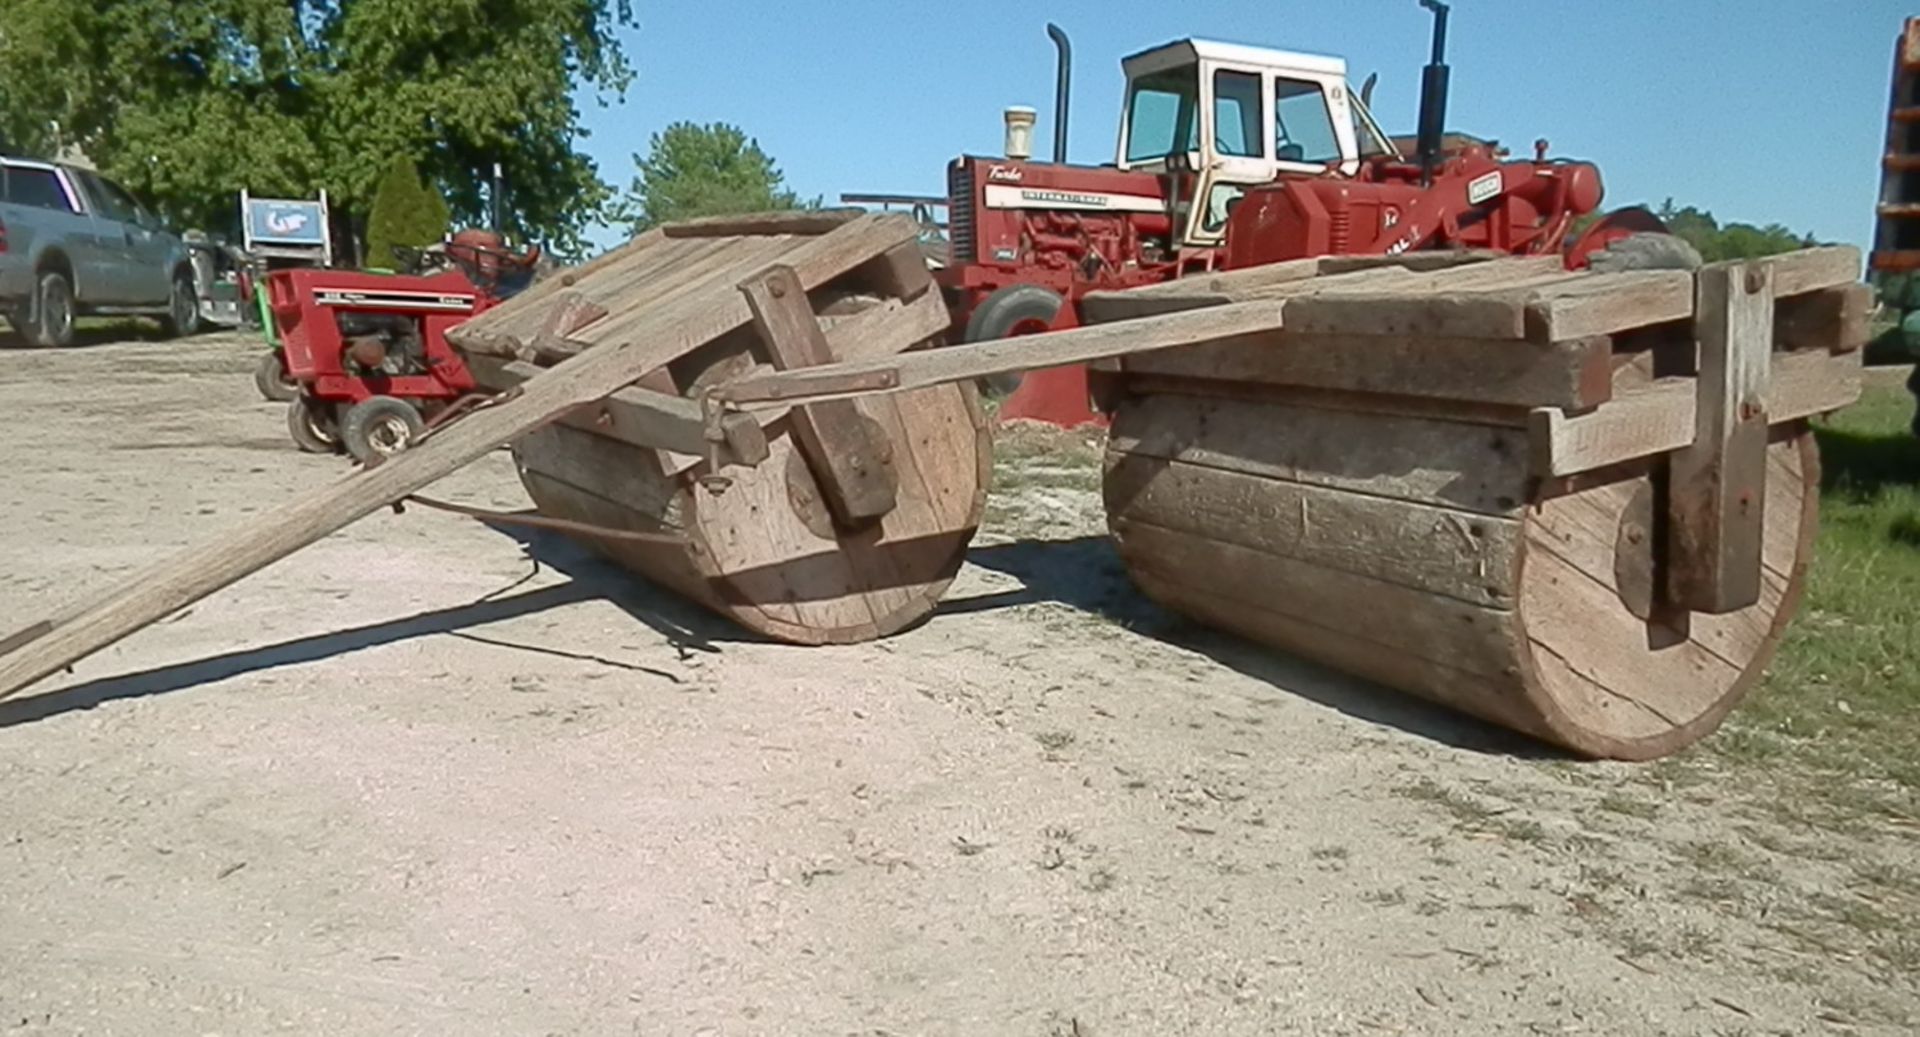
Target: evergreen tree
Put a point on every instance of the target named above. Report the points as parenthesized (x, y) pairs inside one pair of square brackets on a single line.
[(405, 212), (714, 170)]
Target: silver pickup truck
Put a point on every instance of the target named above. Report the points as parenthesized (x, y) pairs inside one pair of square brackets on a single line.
[(73, 243)]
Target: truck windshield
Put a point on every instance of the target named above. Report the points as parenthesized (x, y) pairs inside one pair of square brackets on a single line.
[(1160, 114)]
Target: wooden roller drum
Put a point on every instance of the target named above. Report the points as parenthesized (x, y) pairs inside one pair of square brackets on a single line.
[(1579, 506), (766, 551), (1412, 552), (830, 523)]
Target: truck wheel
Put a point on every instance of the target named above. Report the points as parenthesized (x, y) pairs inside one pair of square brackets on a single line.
[(379, 427), (1017, 309), (312, 426), (270, 377), (183, 307), (51, 322)]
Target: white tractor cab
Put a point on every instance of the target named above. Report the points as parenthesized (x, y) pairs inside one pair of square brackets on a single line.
[(1234, 116)]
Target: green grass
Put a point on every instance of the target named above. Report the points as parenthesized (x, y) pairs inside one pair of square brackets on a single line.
[(1840, 708)]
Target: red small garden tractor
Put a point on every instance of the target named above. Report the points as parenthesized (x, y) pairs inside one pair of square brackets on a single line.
[(369, 351)]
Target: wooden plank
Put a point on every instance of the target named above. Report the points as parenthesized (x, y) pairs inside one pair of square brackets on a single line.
[(901, 272), (845, 451), (1438, 259), (841, 251), (801, 221), (1835, 319), (1391, 312), (889, 328), (596, 464), (661, 334), (1453, 302), (964, 363), (646, 418), (521, 321), (1216, 289), (1425, 626), (1380, 405), (640, 243), (1456, 554), (1606, 304), (1272, 281), (646, 278), (1716, 488), (570, 312), (1661, 417), (1811, 269), (1481, 469), (1574, 375)]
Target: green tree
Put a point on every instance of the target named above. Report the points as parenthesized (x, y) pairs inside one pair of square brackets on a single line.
[(188, 101), (714, 170), (405, 212), (1733, 241)]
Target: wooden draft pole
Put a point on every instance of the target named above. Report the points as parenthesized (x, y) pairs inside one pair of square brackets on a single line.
[(648, 340)]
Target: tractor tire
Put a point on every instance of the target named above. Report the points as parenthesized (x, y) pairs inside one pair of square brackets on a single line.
[(1646, 252), (270, 377), (51, 319), (312, 426), (1017, 309), (183, 307), (379, 427)]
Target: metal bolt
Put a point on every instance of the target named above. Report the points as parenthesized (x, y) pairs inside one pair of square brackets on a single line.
[(777, 289)]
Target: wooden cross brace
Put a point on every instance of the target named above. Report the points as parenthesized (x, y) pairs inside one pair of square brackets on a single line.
[(848, 454), (1717, 487)]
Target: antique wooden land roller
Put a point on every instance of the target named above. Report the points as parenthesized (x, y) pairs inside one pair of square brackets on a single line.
[(846, 519), (1579, 505), (1529, 503)]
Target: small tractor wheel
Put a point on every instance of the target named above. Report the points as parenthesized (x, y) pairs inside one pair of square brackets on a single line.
[(312, 426), (51, 323), (183, 307), (379, 427), (1017, 309), (1646, 251), (270, 377)]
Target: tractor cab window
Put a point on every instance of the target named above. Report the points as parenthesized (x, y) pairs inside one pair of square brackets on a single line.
[(1160, 114), (1302, 127), (1367, 135), (1236, 113)]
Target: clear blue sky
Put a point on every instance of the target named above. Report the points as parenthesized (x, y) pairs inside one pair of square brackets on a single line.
[(1758, 110)]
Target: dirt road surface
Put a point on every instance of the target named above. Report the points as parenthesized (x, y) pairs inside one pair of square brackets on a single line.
[(430, 777)]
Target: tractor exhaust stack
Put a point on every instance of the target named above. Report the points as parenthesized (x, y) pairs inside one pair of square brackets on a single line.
[(1433, 94), (1062, 88)]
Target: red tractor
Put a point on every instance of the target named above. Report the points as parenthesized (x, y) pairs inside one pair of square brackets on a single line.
[(369, 351), (1233, 156)]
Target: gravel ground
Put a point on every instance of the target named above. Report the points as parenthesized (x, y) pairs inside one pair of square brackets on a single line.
[(426, 777)]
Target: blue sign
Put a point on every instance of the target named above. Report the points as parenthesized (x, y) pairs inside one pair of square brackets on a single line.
[(286, 222)]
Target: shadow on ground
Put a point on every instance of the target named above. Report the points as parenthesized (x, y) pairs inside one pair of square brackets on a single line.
[(1858, 465), (685, 627), (1087, 574), (1082, 573)]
